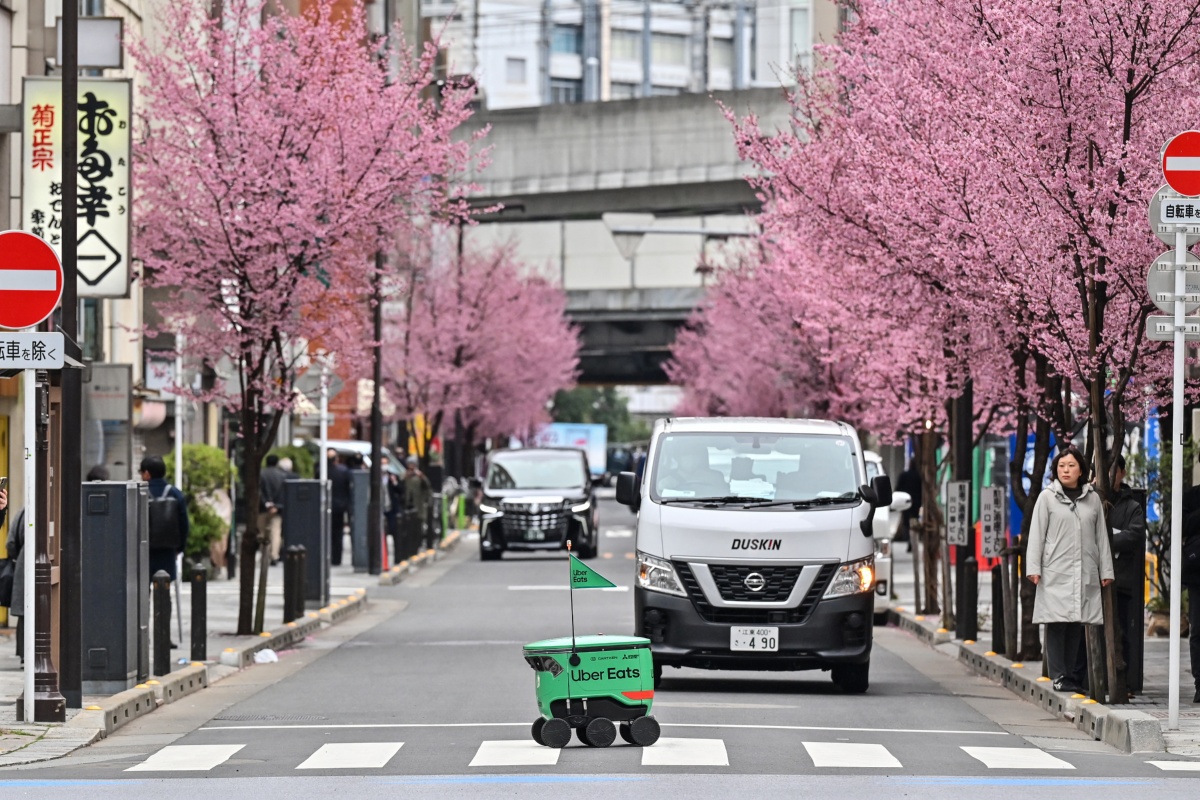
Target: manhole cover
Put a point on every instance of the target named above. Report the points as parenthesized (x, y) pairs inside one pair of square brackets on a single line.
[(270, 718)]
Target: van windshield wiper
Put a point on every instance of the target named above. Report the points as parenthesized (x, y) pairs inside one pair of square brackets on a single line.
[(728, 499), (848, 497)]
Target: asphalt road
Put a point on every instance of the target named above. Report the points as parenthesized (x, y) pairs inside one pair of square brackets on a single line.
[(427, 692)]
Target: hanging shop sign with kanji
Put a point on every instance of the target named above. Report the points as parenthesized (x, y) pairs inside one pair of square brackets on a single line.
[(104, 187)]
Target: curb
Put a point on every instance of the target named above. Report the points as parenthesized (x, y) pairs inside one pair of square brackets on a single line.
[(399, 572), (1127, 730), (111, 713)]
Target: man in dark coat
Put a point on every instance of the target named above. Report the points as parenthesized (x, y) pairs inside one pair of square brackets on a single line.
[(910, 482), (1128, 520), (270, 496), (339, 502), (154, 472)]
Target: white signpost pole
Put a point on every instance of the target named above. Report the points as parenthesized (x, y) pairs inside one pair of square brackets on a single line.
[(322, 461), (1177, 478), (29, 546)]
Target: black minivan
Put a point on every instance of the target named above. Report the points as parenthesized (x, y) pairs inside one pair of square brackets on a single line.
[(538, 499)]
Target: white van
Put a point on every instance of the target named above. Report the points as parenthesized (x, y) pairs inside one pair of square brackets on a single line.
[(755, 546)]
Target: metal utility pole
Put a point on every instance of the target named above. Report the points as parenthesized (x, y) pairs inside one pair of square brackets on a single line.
[(70, 428), (966, 568)]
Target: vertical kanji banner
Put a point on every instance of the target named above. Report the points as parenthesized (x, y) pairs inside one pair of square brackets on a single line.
[(104, 177)]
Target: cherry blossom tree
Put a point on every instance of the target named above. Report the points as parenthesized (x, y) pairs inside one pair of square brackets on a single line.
[(984, 171), (275, 154), (479, 343)]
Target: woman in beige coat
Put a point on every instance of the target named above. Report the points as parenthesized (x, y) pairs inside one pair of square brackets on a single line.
[(1069, 559)]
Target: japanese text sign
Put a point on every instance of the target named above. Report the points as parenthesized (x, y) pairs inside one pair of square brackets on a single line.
[(958, 512), (103, 182)]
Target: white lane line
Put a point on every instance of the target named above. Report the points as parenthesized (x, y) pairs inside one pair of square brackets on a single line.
[(829, 728), (515, 754), (673, 704), (1177, 766), (619, 533), (1016, 758), (28, 280), (686, 753), (187, 758), (368, 725), (844, 754), (558, 588), (352, 755)]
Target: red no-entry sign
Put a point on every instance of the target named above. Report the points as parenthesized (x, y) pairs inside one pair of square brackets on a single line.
[(31, 279), (1181, 163)]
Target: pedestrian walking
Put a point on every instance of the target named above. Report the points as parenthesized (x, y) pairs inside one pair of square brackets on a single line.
[(418, 494), (168, 517), (15, 547), (288, 468), (1190, 578), (909, 481), (270, 507), (340, 499), (1069, 560), (393, 502), (1128, 520)]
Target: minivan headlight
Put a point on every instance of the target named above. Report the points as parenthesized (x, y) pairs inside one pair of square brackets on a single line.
[(853, 578), (581, 507), (658, 575), (489, 506)]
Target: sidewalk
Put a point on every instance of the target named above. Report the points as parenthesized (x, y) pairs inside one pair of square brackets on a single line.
[(1140, 725), (227, 653)]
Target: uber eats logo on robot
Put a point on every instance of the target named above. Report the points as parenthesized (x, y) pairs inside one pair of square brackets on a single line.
[(612, 674)]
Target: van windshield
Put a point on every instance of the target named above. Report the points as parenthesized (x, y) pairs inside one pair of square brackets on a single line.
[(751, 466), (537, 469)]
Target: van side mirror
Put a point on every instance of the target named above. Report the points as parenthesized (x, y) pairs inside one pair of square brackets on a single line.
[(627, 490), (882, 485), (878, 495)]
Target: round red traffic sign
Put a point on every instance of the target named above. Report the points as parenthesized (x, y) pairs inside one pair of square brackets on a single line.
[(31, 279), (1181, 163)]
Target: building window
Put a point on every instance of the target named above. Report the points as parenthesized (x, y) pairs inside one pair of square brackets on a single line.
[(669, 49), (625, 91), (565, 91), (721, 54), (801, 38), (567, 39), (665, 91), (514, 71), (627, 46)]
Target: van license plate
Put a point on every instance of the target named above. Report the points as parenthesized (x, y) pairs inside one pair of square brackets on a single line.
[(754, 640), (535, 535)]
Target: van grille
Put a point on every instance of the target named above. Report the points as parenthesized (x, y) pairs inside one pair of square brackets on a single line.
[(731, 582), (755, 616)]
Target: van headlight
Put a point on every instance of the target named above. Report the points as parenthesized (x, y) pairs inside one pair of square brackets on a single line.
[(658, 575), (489, 506), (853, 578), (581, 507)]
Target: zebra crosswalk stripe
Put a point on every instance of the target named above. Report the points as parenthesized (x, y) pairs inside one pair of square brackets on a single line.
[(187, 758), (514, 753), (847, 754), (686, 753), (1016, 758), (352, 755)]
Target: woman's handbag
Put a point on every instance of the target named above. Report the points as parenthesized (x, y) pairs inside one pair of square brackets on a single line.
[(8, 570)]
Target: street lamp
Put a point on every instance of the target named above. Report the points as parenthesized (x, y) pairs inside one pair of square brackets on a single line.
[(627, 231)]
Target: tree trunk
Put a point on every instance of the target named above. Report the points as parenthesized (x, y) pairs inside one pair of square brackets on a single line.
[(248, 546), (931, 520), (1031, 643)]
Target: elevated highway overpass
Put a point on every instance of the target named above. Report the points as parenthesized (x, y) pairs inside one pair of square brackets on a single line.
[(558, 169)]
